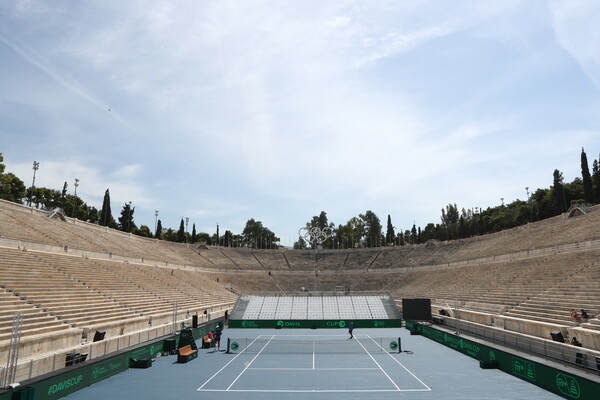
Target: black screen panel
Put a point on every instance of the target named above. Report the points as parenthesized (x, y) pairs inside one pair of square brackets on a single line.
[(416, 309)]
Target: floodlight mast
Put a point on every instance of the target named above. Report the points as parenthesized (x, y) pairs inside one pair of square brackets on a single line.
[(74, 198), (36, 166), (155, 221)]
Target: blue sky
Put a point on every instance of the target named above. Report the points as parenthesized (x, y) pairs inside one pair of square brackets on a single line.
[(222, 111)]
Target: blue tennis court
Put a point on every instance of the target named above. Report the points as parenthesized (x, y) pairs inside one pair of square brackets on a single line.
[(318, 364), (315, 363)]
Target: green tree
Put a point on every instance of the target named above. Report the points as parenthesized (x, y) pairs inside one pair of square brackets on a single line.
[(352, 232), (63, 194), (372, 228), (144, 231), (91, 215), (559, 192), (11, 188), (170, 235), (400, 238), (596, 180), (450, 215), (255, 235), (106, 218), (390, 234), (44, 198), (300, 244), (542, 204), (574, 192), (194, 236), (462, 227), (588, 188), (181, 232), (227, 239), (126, 220), (204, 237), (321, 222), (159, 228)]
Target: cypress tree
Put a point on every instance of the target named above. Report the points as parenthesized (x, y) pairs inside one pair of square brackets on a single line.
[(158, 232), (194, 236), (588, 189), (181, 232), (389, 235), (106, 218)]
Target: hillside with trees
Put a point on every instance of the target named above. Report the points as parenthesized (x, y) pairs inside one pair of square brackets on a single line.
[(363, 230)]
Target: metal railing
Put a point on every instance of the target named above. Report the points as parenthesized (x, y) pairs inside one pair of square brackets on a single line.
[(560, 352), (36, 366)]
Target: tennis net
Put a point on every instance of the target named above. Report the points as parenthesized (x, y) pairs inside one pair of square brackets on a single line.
[(282, 345)]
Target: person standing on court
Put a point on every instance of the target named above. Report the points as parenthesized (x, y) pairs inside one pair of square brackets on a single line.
[(217, 336), (350, 329)]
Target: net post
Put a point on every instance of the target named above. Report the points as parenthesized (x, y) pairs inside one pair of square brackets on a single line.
[(399, 345), (228, 346)]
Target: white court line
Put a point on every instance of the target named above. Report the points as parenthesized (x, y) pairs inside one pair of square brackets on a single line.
[(310, 369), (314, 390), (363, 335), (257, 354), (224, 366), (201, 388), (399, 363), (372, 358)]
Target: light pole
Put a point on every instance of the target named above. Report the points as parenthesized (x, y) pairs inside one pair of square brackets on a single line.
[(186, 227), (155, 221), (36, 166), (75, 197), (528, 202)]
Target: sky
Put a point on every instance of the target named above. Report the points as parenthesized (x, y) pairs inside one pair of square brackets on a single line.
[(222, 111)]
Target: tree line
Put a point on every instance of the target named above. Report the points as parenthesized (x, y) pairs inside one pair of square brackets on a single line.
[(364, 230), (13, 189)]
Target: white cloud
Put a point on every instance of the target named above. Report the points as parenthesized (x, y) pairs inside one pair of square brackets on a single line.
[(45, 67), (92, 181), (578, 32), (236, 110)]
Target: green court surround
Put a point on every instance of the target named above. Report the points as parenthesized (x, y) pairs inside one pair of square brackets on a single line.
[(544, 376)]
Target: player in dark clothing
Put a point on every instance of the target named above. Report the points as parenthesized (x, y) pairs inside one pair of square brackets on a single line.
[(217, 336), (350, 329)]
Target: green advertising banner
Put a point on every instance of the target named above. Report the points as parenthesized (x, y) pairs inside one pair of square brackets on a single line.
[(202, 331), (76, 378), (6, 395), (549, 378), (61, 385), (312, 324), (146, 352), (110, 367)]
